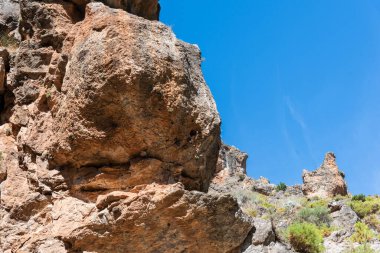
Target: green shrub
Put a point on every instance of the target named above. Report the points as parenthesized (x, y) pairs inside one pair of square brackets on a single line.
[(365, 248), (318, 203), (305, 238), (319, 216), (364, 208), (359, 197), (373, 221), (326, 230), (362, 233), (281, 187)]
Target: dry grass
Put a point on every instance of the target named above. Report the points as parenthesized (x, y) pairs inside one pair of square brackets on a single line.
[(8, 42)]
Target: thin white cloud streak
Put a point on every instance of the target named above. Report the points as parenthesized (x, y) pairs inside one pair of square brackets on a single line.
[(297, 117)]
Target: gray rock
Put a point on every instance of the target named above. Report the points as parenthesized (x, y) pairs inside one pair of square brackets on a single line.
[(263, 234), (345, 218), (230, 174), (274, 247), (9, 15)]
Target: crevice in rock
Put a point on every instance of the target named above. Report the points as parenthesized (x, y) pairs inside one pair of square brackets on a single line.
[(247, 241)]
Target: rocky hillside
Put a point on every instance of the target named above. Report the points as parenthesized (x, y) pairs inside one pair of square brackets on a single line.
[(110, 142)]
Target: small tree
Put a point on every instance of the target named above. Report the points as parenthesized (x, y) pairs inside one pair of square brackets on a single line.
[(281, 187)]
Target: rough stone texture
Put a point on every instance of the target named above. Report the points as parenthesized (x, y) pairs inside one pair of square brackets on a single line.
[(344, 219), (326, 181), (149, 9), (173, 213), (230, 171), (263, 232), (8, 16), (130, 90), (149, 218), (272, 248), (109, 125)]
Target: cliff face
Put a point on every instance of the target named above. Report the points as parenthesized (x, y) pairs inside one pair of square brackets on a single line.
[(107, 127)]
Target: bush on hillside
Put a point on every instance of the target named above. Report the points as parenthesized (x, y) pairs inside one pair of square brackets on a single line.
[(305, 237), (362, 249), (359, 197), (318, 203), (367, 207), (281, 187), (362, 234), (319, 216), (373, 221)]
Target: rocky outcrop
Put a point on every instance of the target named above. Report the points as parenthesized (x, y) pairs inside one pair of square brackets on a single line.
[(230, 175), (230, 169), (149, 218), (326, 181), (109, 137), (124, 96)]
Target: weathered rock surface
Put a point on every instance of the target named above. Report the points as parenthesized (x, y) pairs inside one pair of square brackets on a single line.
[(8, 16), (326, 181), (149, 9), (344, 219), (149, 218), (108, 126), (263, 234), (272, 248), (230, 169), (130, 90)]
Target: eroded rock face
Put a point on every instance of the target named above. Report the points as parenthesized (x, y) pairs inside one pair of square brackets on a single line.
[(109, 125), (149, 9), (117, 88), (149, 218), (326, 181), (230, 169), (174, 215)]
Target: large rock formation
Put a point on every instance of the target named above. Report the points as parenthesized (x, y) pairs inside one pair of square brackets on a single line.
[(107, 127), (110, 142), (131, 91), (326, 181), (149, 218)]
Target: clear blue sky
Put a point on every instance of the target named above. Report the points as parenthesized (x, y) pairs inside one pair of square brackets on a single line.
[(292, 79)]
